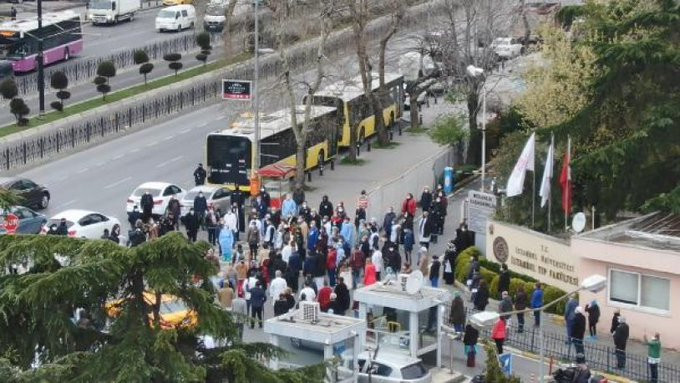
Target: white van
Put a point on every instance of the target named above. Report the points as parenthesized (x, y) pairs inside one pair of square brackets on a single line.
[(176, 18)]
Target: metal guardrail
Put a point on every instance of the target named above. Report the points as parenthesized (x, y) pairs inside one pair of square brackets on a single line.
[(598, 356), (83, 70)]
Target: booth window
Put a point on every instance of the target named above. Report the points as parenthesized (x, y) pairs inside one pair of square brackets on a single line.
[(639, 290)]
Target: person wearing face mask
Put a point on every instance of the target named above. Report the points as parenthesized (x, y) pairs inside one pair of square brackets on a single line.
[(409, 205), (288, 208), (305, 212), (266, 198), (200, 208), (175, 208), (325, 207), (199, 175), (231, 222), (146, 202), (191, 224), (298, 195)]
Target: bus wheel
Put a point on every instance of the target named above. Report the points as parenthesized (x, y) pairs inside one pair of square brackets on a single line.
[(321, 161)]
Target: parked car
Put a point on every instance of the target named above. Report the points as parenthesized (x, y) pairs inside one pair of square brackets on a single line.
[(82, 223), (507, 47), (217, 196), (32, 194), (389, 366), (177, 2), (176, 18), (30, 222), (161, 193), (174, 313)]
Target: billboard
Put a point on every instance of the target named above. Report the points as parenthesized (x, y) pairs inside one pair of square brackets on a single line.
[(236, 90)]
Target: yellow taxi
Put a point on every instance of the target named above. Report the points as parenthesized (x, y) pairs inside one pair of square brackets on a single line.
[(173, 311), (177, 2)]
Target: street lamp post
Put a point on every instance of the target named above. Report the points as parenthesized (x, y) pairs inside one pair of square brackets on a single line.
[(256, 97), (477, 72), (40, 59), (594, 284)]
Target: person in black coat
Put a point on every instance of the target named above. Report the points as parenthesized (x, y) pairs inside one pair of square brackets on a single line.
[(62, 229), (134, 215), (146, 202), (266, 198), (199, 175), (615, 321), (426, 199), (470, 341), (449, 263), (237, 199), (578, 331), (325, 207), (200, 207), (281, 306), (387, 221), (620, 340), (191, 223), (593, 310), (257, 299), (504, 279), (482, 296), (342, 297)]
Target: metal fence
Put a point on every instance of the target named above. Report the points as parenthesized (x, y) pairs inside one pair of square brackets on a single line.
[(85, 69), (39, 147), (598, 356)]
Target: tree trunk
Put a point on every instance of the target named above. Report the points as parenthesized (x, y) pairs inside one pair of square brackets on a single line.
[(472, 105), (300, 164), (413, 111)]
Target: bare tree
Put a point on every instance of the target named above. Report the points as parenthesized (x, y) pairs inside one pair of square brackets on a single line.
[(361, 14), (226, 31), (301, 131), (469, 29)]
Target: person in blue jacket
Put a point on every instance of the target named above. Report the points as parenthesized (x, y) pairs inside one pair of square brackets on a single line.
[(536, 303)]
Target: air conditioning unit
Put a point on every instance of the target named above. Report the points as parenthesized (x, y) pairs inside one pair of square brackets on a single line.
[(310, 311)]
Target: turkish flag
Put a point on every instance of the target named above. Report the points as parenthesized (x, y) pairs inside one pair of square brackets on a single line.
[(565, 182)]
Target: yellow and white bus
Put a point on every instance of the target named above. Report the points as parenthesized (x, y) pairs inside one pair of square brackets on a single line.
[(230, 153), (349, 97)]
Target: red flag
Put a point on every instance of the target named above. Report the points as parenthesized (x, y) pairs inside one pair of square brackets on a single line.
[(565, 181)]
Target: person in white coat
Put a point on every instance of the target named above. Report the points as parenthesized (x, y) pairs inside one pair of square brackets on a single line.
[(231, 222), (277, 286), (377, 260)]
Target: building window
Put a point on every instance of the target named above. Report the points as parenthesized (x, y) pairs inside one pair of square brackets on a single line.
[(639, 290)]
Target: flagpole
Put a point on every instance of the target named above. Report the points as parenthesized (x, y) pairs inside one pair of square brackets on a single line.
[(533, 201), (567, 191), (552, 146)]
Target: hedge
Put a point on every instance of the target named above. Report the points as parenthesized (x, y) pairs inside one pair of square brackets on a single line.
[(490, 273)]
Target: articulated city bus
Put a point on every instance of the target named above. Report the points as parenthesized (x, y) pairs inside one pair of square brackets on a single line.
[(230, 153), (349, 97), (60, 34)]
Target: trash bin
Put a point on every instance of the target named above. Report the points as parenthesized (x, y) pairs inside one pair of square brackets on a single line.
[(449, 180)]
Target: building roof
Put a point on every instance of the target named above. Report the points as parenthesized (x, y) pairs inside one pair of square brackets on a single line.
[(329, 329), (31, 23), (271, 123), (349, 90), (656, 230), (391, 295)]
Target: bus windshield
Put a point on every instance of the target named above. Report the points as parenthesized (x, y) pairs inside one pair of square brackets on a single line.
[(101, 4), (229, 159)]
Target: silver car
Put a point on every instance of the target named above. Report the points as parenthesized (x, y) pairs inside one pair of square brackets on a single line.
[(216, 196)]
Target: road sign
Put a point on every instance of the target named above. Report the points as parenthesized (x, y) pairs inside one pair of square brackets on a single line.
[(506, 363), (11, 223), (236, 90), (480, 207)]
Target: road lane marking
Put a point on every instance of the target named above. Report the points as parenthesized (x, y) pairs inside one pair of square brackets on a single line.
[(150, 144), (169, 162), (83, 170), (134, 150), (184, 131), (66, 203), (170, 137), (118, 156), (109, 186), (202, 125)]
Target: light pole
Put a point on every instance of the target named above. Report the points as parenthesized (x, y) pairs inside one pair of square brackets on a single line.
[(476, 72), (594, 284), (256, 97)]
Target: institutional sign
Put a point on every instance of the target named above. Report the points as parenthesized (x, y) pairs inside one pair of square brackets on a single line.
[(480, 206), (540, 256), (236, 90)]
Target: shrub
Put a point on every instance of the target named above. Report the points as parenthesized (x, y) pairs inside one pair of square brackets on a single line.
[(57, 105), (58, 80), (203, 40), (140, 57), (462, 269), (145, 69), (515, 283), (106, 69), (19, 109), (202, 58), (176, 66), (493, 287), (487, 275), (173, 59), (8, 89)]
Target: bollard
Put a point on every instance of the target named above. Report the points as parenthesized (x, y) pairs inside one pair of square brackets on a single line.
[(392, 134), (420, 119), (321, 169), (309, 176), (368, 145), (435, 100), (358, 149), (333, 164)]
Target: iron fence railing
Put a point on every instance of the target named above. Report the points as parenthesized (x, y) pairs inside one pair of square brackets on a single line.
[(598, 356)]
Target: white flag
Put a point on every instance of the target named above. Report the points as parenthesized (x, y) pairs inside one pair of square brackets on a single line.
[(547, 175), (524, 163)]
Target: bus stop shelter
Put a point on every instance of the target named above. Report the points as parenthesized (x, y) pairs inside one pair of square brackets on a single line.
[(409, 311), (326, 333)]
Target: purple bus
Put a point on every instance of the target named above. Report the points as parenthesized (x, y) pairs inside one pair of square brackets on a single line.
[(61, 36)]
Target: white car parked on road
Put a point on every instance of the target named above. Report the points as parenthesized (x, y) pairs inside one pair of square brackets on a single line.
[(507, 47), (391, 367), (82, 223), (161, 193)]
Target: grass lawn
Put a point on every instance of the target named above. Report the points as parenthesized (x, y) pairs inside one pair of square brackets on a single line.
[(348, 161), (120, 95)]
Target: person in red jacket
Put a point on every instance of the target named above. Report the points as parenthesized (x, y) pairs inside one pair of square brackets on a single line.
[(409, 205), (332, 265), (369, 273), (498, 334), (324, 297)]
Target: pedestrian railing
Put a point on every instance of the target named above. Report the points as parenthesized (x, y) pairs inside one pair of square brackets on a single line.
[(598, 356), (85, 69)]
